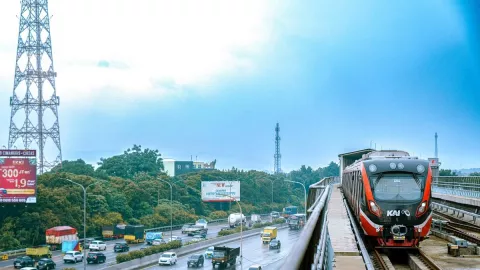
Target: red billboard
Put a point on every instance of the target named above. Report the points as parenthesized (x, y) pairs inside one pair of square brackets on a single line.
[(18, 180)]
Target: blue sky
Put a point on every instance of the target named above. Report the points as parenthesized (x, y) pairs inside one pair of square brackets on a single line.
[(336, 75)]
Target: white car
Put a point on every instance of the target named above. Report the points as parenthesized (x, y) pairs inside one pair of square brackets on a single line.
[(255, 267), (73, 256), (157, 242), (28, 268), (168, 258), (209, 253), (97, 245)]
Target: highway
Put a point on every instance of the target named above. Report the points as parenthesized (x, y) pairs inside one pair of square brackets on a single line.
[(254, 252), (58, 257)]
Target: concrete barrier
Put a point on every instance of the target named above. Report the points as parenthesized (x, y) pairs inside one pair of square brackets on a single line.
[(192, 248)]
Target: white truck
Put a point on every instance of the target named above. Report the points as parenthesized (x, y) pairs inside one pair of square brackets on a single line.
[(256, 218), (235, 219), (202, 222)]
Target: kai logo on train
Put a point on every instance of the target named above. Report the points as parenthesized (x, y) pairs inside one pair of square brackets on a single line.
[(396, 213)]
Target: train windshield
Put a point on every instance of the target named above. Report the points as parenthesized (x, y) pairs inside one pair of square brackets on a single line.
[(397, 187)]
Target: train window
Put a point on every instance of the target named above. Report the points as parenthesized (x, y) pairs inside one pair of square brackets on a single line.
[(398, 187)]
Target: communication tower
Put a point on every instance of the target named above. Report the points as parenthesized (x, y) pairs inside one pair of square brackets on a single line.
[(277, 156), (34, 102)]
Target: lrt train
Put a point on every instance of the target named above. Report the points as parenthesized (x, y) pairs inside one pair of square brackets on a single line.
[(389, 193)]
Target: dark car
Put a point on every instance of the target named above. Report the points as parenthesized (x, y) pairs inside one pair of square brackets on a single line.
[(275, 243), (23, 261), (201, 234), (87, 243), (46, 264), (120, 247), (96, 257), (196, 260)]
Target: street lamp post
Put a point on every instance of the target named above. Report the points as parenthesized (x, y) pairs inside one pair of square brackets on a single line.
[(305, 194), (241, 226), (171, 207), (84, 218)]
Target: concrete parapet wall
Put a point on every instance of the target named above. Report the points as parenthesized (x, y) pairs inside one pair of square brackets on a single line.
[(457, 199)]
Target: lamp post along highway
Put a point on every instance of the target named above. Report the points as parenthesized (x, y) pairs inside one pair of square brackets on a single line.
[(241, 226), (305, 194), (84, 218), (171, 207)]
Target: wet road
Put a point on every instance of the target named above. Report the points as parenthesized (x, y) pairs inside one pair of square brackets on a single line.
[(254, 252), (58, 257)]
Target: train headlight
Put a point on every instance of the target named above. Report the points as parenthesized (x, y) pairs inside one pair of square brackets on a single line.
[(374, 209), (400, 166), (420, 168), (421, 209), (393, 166), (372, 168)]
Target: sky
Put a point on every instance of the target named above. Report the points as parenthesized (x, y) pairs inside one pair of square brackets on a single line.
[(210, 79)]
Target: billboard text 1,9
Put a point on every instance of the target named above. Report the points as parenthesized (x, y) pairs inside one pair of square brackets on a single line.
[(18, 180), (214, 191)]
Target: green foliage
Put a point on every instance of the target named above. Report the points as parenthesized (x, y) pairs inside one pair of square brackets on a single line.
[(475, 174), (126, 191), (132, 162), (444, 172), (132, 255)]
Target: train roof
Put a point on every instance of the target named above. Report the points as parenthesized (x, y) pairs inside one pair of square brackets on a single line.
[(383, 155)]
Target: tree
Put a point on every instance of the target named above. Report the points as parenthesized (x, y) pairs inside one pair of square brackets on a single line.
[(78, 167), (447, 173), (475, 174), (131, 162)]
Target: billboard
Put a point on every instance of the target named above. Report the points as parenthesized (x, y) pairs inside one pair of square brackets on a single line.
[(18, 180), (212, 190)]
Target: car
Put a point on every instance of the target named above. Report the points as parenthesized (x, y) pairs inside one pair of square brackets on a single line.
[(46, 264), (275, 243), (28, 268), (121, 247), (202, 234), (209, 253), (96, 257), (88, 242), (168, 258), (196, 260), (97, 245), (255, 267), (158, 241), (73, 256), (23, 261), (197, 238), (225, 228)]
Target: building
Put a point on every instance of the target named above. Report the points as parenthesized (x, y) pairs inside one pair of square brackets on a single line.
[(175, 167)]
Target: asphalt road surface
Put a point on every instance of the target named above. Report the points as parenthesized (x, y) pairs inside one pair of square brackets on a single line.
[(254, 252), (58, 256)]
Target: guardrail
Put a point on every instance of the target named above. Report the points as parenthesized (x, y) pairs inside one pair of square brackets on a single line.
[(457, 211), (465, 186), (313, 249)]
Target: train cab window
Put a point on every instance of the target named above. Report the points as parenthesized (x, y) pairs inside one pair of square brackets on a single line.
[(397, 186)]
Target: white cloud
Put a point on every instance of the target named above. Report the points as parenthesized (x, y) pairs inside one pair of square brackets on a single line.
[(182, 42)]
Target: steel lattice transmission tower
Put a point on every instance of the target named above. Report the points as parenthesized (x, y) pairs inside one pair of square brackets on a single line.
[(277, 156), (34, 92)]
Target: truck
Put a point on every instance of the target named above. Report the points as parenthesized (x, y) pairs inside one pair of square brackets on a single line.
[(39, 252), (195, 229), (235, 219), (297, 221), (289, 211), (113, 231), (150, 236), (56, 235), (134, 234), (256, 218), (202, 222), (224, 256), (268, 234), (71, 245)]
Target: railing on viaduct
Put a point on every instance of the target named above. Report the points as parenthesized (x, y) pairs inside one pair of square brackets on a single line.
[(465, 186)]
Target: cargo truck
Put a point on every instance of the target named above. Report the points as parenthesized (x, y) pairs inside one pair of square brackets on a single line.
[(268, 234), (297, 221), (113, 232), (150, 236), (39, 252), (71, 245), (56, 235), (235, 219), (224, 256), (134, 234)]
